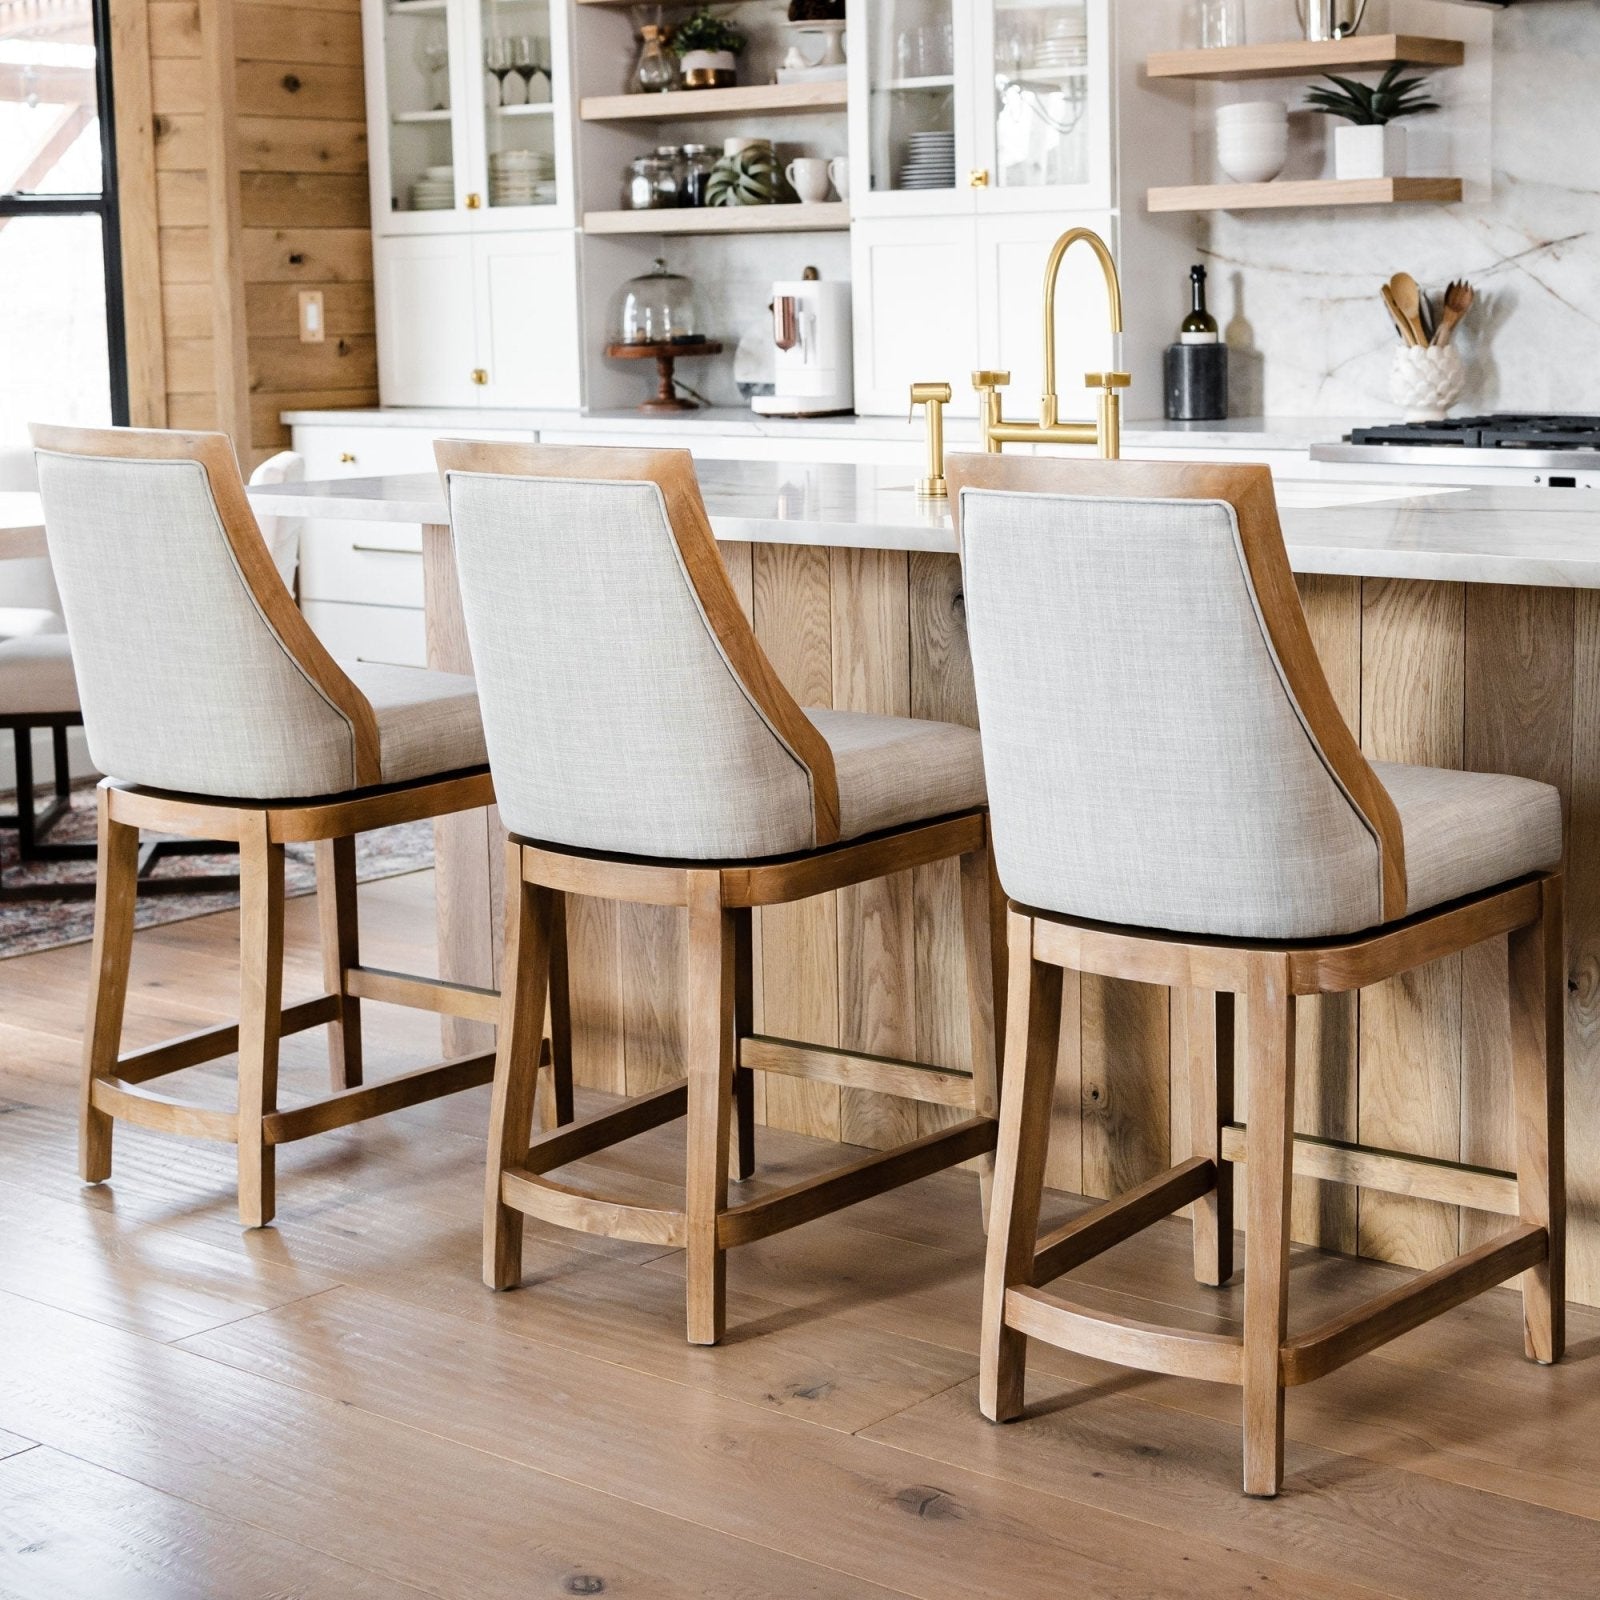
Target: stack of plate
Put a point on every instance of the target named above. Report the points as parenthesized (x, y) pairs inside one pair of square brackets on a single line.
[(929, 161), (521, 178), (435, 190), (1066, 45)]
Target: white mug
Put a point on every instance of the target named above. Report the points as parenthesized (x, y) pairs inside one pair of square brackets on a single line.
[(809, 177), (839, 171)]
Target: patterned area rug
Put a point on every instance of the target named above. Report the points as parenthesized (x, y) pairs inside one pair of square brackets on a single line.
[(44, 921)]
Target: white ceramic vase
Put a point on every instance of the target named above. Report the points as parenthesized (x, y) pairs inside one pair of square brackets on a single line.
[(1369, 152), (706, 69), (1426, 381)]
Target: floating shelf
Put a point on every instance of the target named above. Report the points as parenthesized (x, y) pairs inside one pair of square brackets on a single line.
[(1296, 57), (826, 217), (1304, 192), (701, 103)]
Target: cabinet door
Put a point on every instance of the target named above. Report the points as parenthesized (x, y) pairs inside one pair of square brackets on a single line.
[(1012, 252), (418, 85), (911, 125), (527, 319), (426, 331), (915, 310), (1043, 103)]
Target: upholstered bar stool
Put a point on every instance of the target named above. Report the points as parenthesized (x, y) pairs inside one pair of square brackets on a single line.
[(1177, 800), (644, 750), (221, 716)]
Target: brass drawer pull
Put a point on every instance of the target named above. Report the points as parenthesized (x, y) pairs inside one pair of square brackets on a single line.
[(346, 458), (384, 550)]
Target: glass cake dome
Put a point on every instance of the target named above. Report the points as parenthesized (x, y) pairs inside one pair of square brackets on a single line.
[(657, 308)]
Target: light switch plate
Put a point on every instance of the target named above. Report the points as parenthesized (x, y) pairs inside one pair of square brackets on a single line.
[(312, 327)]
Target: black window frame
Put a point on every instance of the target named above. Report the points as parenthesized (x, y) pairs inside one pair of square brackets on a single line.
[(103, 205)]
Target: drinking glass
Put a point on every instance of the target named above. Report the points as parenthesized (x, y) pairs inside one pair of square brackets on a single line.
[(1221, 23)]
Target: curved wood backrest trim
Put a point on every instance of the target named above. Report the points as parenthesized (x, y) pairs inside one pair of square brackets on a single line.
[(1248, 489), (672, 471), (214, 454)]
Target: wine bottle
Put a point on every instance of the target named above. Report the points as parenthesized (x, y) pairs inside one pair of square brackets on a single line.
[(1199, 327)]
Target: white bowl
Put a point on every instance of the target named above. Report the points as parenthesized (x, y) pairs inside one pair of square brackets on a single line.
[(1249, 157)]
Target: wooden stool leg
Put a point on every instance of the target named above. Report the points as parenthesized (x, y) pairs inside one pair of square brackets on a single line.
[(712, 939), (1210, 1018), (1538, 983), (524, 983), (744, 1024), (1033, 1032), (260, 1016), (115, 891), (341, 950), (1269, 1177), (984, 943), (555, 1108)]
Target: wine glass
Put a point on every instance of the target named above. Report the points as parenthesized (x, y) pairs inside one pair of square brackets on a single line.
[(432, 54), (498, 58), (525, 53)]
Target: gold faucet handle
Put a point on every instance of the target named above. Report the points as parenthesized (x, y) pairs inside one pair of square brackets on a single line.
[(1107, 380), (990, 380), (939, 394)]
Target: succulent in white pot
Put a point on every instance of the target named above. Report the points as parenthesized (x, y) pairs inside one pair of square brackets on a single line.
[(708, 51), (1370, 142)]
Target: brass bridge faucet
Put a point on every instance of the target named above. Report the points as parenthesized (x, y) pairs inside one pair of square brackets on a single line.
[(1106, 431)]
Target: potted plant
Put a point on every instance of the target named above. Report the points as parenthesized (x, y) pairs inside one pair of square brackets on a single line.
[(707, 48), (1369, 144)]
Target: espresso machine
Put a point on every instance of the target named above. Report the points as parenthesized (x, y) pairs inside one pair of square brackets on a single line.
[(811, 350)]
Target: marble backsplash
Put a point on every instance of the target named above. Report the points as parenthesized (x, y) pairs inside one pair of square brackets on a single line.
[(1296, 291)]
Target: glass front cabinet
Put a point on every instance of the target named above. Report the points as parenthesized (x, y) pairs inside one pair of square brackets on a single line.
[(974, 106), (470, 132)]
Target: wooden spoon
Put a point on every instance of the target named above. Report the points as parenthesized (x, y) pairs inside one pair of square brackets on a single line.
[(1408, 298), (1394, 311), (1458, 300)]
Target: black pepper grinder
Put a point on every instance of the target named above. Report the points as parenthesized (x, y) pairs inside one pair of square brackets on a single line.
[(1196, 368)]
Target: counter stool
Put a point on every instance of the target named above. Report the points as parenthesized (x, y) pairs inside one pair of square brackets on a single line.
[(644, 750), (39, 690), (223, 717), (1177, 800)]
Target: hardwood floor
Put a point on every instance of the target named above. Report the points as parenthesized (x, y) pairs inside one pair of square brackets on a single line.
[(335, 1407)]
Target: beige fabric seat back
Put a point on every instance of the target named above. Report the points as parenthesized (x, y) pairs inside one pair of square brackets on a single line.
[(626, 704), (1160, 744), (195, 669)]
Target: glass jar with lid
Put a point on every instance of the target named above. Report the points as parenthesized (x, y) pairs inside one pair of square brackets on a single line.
[(657, 308), (698, 161), (641, 184), (673, 182)]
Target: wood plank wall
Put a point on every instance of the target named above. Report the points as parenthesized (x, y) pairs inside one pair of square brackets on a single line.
[(241, 132), (1454, 675)]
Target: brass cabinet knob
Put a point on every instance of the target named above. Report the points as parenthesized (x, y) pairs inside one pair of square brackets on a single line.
[(347, 458), (479, 376), (474, 201), (978, 178)]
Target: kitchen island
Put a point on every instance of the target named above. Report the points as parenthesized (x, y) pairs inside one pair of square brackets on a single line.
[(1458, 628)]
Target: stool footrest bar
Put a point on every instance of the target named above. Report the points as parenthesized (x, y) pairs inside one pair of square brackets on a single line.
[(206, 1044), (166, 1115), (816, 1197), (1425, 1177), (585, 1138), (423, 994), (542, 1197), (1095, 1231), (852, 1069), (376, 1099), (1215, 1357), (1353, 1333)]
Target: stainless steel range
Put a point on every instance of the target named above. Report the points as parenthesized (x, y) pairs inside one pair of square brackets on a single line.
[(1557, 452)]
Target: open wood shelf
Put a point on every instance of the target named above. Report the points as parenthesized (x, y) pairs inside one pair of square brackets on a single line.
[(702, 103), (826, 217), (1304, 192), (1294, 57)]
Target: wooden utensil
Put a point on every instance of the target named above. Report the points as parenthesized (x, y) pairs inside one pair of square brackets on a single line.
[(1408, 298), (1394, 311), (1458, 300)]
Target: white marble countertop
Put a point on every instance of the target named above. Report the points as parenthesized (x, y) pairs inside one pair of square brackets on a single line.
[(1238, 433), (1543, 537)]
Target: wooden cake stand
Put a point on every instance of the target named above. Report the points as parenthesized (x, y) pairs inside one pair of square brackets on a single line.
[(665, 356)]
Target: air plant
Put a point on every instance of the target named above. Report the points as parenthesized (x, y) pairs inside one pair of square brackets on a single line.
[(1373, 105)]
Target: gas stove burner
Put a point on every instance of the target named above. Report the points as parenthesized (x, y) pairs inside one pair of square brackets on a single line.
[(1505, 431)]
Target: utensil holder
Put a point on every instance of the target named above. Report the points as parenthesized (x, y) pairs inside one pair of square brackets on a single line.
[(1426, 381)]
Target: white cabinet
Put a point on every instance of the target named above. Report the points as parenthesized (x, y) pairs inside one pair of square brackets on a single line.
[(446, 153), (483, 320), (980, 130)]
